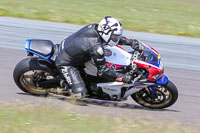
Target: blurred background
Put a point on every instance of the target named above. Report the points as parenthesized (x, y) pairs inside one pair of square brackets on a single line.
[(175, 17)]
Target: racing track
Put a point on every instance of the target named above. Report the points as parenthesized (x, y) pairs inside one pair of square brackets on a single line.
[(181, 57)]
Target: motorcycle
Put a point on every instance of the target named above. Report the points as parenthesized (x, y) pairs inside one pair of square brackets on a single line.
[(37, 75)]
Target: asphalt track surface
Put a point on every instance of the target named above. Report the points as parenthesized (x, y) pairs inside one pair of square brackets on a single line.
[(181, 57)]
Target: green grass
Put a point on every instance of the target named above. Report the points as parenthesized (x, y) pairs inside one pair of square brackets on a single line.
[(176, 17), (37, 119)]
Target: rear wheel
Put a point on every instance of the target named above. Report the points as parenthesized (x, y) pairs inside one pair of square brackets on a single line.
[(26, 77), (158, 97)]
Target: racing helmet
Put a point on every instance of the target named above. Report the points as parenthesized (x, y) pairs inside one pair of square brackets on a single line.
[(110, 29)]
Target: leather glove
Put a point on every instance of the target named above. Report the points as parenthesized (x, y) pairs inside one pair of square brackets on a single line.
[(126, 78), (137, 46)]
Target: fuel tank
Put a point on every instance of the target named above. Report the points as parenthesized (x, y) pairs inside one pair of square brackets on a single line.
[(116, 58)]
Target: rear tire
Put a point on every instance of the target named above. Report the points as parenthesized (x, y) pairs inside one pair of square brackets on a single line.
[(167, 92), (24, 73)]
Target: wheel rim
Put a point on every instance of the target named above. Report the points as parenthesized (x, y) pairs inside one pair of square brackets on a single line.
[(28, 81), (161, 97)]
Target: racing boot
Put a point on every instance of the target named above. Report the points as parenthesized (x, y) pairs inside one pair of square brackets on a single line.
[(79, 92)]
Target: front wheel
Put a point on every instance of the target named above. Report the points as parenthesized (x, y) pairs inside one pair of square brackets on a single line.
[(158, 97)]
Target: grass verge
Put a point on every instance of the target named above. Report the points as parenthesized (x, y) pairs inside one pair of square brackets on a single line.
[(176, 17), (37, 119)]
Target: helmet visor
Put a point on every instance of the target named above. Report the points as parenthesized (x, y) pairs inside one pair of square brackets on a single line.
[(115, 38)]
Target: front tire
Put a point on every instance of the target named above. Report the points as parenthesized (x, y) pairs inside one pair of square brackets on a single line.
[(163, 97)]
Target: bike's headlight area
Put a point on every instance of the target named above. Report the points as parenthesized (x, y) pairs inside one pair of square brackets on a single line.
[(157, 76)]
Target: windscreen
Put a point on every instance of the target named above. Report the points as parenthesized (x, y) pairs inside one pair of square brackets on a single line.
[(148, 55)]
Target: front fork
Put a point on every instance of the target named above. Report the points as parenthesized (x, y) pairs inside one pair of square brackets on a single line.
[(161, 81)]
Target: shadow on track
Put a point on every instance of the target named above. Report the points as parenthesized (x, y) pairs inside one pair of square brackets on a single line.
[(105, 103)]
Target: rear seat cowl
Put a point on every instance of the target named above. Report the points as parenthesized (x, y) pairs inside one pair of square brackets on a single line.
[(43, 47)]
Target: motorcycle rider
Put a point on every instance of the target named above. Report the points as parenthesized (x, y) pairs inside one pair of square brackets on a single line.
[(87, 44)]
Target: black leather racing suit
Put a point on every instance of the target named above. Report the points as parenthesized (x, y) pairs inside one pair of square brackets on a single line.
[(80, 47)]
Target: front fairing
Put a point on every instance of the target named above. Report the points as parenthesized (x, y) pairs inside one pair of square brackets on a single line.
[(151, 61), (151, 56)]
